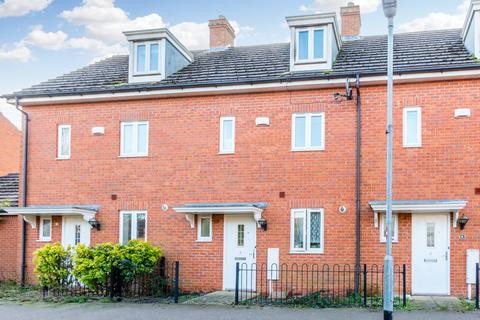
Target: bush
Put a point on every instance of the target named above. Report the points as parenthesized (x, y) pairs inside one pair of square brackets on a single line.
[(93, 266), (52, 265)]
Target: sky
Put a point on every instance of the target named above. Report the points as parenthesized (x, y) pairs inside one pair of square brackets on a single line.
[(42, 39)]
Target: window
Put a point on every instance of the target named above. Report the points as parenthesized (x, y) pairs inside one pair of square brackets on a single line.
[(240, 235), (310, 44), (147, 57), (306, 231), (308, 131), (204, 228), (227, 134), (412, 127), (64, 141), (134, 139), (133, 226), (383, 228), (430, 235), (77, 234), (45, 229)]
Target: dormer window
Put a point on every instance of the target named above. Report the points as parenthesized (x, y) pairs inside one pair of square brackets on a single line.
[(147, 58), (311, 45)]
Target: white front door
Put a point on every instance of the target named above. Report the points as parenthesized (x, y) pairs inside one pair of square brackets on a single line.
[(240, 241), (75, 230), (430, 254)]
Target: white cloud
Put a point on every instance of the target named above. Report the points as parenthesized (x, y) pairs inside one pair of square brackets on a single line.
[(366, 6), (192, 35), (18, 52), (46, 40), (437, 20), (15, 8)]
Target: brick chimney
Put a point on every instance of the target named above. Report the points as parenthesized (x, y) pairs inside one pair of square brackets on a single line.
[(351, 21), (222, 34)]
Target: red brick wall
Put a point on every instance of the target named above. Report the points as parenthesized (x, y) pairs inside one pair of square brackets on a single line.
[(10, 138), (184, 166), (10, 248)]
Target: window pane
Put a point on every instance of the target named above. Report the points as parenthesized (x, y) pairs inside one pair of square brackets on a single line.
[(142, 138), (46, 230), (227, 135), (298, 233), (128, 139), (431, 235), (300, 126), (65, 141), (315, 230), (303, 45), (412, 129), (77, 234), (316, 131), (127, 228), (141, 226), (205, 228), (241, 235), (154, 57), (141, 58), (318, 44)]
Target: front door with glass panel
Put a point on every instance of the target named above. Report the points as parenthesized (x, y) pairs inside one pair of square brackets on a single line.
[(75, 231), (430, 254), (240, 240)]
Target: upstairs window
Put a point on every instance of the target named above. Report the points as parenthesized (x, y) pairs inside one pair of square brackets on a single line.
[(412, 127), (133, 226), (227, 134), (64, 140), (310, 44), (306, 230), (147, 58), (134, 139), (308, 131)]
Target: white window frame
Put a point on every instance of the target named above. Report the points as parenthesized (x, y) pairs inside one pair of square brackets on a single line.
[(147, 58), (419, 127), (306, 231), (61, 156), (311, 45), (134, 214), (221, 149), (199, 228), (308, 131), (41, 237), (383, 239), (135, 138)]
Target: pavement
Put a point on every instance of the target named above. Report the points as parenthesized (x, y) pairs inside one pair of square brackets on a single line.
[(439, 303), (136, 311)]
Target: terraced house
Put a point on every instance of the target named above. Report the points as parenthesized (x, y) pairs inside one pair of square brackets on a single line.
[(267, 153)]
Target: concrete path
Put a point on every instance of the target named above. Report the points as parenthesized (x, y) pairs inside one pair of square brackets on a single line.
[(214, 298), (125, 311), (438, 303)]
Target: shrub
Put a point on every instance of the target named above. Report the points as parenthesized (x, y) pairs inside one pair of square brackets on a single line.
[(93, 266), (52, 265)]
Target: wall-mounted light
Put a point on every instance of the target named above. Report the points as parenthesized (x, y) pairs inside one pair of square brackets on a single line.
[(94, 223), (263, 224), (462, 221)]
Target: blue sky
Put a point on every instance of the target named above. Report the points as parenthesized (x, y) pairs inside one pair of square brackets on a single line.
[(41, 39)]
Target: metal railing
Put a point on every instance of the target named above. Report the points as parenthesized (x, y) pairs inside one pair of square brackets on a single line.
[(315, 285), (477, 286)]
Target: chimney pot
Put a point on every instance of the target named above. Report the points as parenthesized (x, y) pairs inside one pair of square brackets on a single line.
[(222, 34), (351, 21)]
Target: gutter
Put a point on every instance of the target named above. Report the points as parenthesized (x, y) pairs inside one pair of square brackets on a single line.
[(24, 189)]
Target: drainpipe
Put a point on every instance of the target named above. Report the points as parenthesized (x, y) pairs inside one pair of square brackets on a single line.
[(357, 188), (24, 189)]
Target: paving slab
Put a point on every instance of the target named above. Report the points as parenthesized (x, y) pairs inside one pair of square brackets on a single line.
[(214, 298), (439, 303)]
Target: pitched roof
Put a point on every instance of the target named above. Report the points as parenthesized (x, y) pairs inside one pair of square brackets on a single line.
[(9, 189), (414, 52)]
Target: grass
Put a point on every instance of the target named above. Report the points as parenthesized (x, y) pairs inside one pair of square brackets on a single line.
[(467, 305)]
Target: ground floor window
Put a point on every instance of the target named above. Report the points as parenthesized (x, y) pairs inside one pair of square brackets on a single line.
[(383, 228), (45, 229), (133, 226), (204, 228), (306, 231)]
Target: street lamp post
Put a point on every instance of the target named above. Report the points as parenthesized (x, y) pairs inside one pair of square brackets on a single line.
[(389, 8)]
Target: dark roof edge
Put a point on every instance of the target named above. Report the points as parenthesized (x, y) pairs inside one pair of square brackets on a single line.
[(286, 79)]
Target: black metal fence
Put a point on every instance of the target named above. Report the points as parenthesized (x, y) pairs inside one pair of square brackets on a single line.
[(163, 281), (477, 284), (315, 285)]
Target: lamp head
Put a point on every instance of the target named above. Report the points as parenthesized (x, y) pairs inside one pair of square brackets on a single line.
[(389, 8)]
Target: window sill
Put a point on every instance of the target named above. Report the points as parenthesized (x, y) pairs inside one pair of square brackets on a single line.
[(308, 150), (306, 252), (307, 62), (43, 240), (226, 152), (134, 156), (62, 158), (384, 241), (412, 146), (143, 74), (206, 240)]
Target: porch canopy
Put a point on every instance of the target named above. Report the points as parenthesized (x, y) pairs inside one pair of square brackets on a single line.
[(230, 208), (30, 213), (420, 206)]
